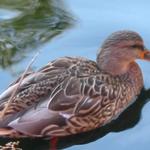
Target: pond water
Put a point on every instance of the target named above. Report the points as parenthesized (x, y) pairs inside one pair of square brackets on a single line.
[(76, 28)]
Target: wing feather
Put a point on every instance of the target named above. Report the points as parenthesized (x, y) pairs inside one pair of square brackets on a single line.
[(69, 106), (63, 111)]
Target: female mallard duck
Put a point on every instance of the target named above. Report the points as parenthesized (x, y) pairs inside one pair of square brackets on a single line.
[(73, 95)]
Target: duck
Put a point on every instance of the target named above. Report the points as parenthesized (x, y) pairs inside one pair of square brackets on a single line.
[(71, 95)]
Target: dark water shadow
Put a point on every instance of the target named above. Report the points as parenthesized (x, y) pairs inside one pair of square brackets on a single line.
[(127, 120), (38, 22)]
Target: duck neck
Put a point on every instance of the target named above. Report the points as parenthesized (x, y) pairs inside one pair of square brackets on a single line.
[(136, 78), (113, 66), (130, 71)]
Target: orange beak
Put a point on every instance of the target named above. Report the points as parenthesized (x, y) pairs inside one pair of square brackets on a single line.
[(145, 55)]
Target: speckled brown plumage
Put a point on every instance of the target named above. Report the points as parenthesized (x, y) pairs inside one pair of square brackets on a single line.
[(72, 95)]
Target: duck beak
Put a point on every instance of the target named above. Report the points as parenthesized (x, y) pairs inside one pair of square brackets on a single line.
[(145, 55)]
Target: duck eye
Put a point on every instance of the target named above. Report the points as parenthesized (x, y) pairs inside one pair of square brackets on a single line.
[(134, 46), (141, 47)]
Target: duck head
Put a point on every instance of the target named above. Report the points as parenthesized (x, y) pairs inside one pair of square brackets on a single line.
[(121, 49)]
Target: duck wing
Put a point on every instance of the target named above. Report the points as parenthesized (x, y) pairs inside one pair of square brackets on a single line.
[(50, 70), (76, 105), (35, 87)]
